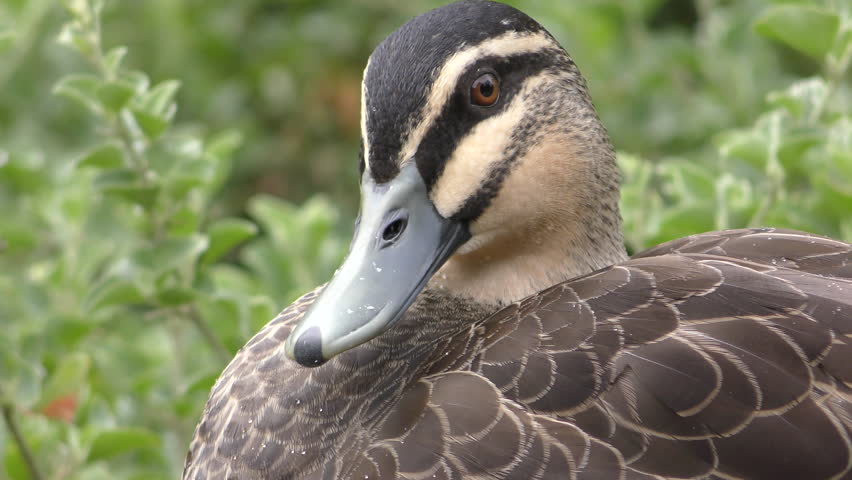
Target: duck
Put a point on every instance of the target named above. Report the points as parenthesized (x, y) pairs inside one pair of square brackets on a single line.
[(487, 322)]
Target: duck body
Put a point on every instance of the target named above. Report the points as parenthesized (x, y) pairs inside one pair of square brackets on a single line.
[(701, 358), (488, 324)]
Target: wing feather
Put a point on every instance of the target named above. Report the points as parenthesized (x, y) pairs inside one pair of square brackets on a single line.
[(721, 355), (240, 417), (701, 356)]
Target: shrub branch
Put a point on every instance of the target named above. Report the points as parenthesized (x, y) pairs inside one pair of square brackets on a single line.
[(12, 425), (215, 343)]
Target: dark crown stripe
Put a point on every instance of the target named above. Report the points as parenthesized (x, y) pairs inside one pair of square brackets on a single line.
[(405, 66)]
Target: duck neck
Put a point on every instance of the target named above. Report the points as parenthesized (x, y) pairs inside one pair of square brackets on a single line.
[(510, 266), (490, 276), (555, 217)]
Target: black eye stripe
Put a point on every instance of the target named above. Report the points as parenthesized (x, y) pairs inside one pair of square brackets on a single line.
[(457, 118)]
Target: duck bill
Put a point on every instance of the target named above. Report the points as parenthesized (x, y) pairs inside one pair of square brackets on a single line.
[(400, 241)]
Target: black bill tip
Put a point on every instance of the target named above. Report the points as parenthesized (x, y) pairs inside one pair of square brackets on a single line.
[(308, 348)]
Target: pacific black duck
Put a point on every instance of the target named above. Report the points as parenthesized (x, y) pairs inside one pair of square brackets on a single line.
[(488, 323)]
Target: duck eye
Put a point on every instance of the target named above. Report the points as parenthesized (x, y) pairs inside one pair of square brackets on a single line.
[(485, 90)]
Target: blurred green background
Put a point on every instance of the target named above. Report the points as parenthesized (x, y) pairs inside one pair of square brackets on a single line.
[(173, 172)]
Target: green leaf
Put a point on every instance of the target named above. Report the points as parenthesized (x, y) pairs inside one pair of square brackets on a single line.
[(277, 217), (7, 39), (839, 152), (115, 442), (223, 145), (13, 464), (261, 311), (172, 253), (802, 99), (151, 125), (225, 234), (184, 222), (203, 383), (75, 36), (226, 316), (138, 79), (190, 173), (174, 296), (122, 176), (794, 144), (228, 277), (220, 149), (81, 88), (69, 377), (112, 291), (70, 329), (124, 183), (686, 181), (842, 45), (113, 58), (115, 95), (81, 9), (807, 28), (106, 156), (188, 403), (21, 370), (95, 471), (14, 236), (682, 221), (745, 145), (24, 173), (158, 101)]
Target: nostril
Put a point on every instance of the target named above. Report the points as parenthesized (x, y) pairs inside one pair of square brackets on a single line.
[(394, 229)]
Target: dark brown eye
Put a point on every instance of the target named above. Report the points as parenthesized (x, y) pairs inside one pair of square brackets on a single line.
[(485, 90)]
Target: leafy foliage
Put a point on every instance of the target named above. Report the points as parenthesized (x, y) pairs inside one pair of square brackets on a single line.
[(137, 254), (791, 168), (119, 310)]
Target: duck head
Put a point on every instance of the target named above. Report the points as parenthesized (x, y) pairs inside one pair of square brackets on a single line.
[(484, 171)]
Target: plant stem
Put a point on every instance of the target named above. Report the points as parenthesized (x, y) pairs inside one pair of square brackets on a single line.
[(834, 72), (29, 24), (123, 127), (774, 174), (117, 122), (215, 343), (20, 441)]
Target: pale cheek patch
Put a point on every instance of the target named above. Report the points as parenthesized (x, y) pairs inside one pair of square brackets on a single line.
[(518, 245), (474, 160), (539, 194)]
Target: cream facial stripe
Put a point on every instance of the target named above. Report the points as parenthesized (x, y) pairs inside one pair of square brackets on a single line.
[(475, 157), (365, 139), (508, 44)]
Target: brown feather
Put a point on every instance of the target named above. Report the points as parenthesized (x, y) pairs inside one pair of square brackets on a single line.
[(701, 366)]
